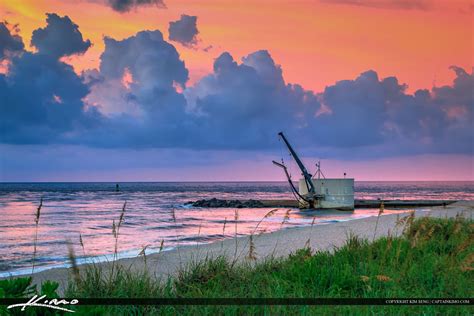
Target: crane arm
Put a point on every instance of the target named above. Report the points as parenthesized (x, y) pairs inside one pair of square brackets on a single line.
[(289, 179), (307, 176)]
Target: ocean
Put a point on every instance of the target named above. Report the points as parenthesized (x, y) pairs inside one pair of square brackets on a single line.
[(156, 213)]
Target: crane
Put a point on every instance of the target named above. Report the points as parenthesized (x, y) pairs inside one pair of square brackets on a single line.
[(311, 196)]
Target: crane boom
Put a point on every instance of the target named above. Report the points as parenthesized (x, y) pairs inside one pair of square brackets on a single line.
[(307, 176), (288, 177)]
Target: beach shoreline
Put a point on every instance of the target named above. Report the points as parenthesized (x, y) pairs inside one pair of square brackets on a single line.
[(280, 243)]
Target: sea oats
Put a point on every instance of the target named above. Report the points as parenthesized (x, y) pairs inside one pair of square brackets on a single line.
[(270, 213), (307, 244), (408, 222), (173, 215), (286, 217), (466, 265), (38, 211), (389, 243), (114, 229), (72, 259), (457, 227), (378, 217), (122, 214), (236, 219), (383, 278), (223, 228), (252, 255), (143, 250), (463, 246), (162, 244), (81, 242), (397, 221), (175, 221), (263, 231), (382, 208), (430, 232), (35, 241)]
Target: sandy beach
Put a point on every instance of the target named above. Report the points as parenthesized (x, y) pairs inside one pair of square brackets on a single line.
[(280, 243)]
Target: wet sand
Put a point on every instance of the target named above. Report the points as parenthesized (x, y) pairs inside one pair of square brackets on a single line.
[(279, 243)]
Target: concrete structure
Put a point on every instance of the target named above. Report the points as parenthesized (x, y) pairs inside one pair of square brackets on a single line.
[(331, 193)]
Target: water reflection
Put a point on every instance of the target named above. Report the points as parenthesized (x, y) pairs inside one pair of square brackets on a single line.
[(89, 209)]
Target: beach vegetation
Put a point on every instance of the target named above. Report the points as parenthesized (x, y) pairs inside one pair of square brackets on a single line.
[(432, 258)]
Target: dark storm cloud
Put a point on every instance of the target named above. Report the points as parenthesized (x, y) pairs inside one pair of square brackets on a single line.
[(42, 101), (138, 98), (127, 5), (457, 103), (150, 112), (387, 4), (9, 42), (150, 59), (370, 111), (61, 37), (245, 105), (460, 93), (42, 96), (250, 102), (184, 30)]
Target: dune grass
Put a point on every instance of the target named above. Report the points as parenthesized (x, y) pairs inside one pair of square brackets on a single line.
[(433, 258)]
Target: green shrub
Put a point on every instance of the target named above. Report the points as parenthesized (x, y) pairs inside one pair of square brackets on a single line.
[(23, 288), (433, 258)]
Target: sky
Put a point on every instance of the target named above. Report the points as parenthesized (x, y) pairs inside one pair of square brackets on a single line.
[(163, 90)]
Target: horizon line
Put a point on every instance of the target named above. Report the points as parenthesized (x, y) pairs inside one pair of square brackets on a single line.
[(223, 181)]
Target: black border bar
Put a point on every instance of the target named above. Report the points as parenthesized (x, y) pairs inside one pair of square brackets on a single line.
[(254, 301)]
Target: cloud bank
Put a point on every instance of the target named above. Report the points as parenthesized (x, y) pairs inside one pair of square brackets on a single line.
[(139, 98), (42, 97)]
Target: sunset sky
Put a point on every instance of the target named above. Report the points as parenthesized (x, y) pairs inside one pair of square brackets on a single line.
[(197, 90)]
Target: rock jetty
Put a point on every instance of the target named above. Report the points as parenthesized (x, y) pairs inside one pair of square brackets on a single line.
[(226, 203)]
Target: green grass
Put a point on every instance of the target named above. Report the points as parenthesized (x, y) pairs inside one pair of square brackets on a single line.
[(433, 258)]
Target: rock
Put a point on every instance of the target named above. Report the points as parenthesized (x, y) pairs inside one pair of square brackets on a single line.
[(216, 203)]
